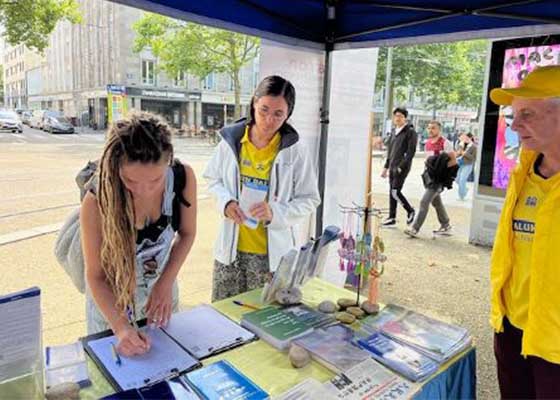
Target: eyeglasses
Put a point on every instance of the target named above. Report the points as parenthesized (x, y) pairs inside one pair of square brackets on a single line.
[(276, 116)]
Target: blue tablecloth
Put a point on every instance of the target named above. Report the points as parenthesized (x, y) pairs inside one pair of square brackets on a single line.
[(457, 381)]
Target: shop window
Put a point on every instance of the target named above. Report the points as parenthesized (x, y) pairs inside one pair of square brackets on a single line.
[(210, 81), (180, 79), (148, 72)]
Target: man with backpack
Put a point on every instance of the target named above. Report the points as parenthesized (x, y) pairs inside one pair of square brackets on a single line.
[(441, 169)]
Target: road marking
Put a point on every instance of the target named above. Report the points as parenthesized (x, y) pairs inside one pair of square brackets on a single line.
[(29, 233), (25, 234), (38, 195), (16, 214)]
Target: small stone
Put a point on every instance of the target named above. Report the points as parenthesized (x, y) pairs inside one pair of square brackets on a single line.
[(327, 307), (356, 312), (345, 317), (345, 303), (299, 357), (370, 308), (288, 296), (63, 391), (432, 264)]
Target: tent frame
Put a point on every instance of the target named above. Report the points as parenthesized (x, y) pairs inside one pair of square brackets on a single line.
[(331, 41)]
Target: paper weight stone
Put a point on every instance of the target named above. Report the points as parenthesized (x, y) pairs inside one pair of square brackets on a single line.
[(345, 303), (327, 307), (345, 317), (356, 312), (288, 296), (63, 391), (370, 308), (299, 357)]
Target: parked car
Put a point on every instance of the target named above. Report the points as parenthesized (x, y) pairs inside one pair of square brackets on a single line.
[(36, 119), (57, 124), (26, 117), (9, 121)]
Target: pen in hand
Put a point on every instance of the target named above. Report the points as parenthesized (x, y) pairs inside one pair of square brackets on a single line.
[(116, 356)]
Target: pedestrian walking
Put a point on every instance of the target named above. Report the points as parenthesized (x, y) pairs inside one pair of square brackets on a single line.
[(401, 148), (466, 158), (441, 168)]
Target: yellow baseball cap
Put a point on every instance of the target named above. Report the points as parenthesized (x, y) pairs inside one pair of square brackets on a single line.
[(541, 83)]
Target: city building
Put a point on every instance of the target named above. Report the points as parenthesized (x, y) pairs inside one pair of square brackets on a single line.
[(83, 59)]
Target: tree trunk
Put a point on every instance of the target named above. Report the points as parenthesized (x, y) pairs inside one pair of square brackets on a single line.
[(237, 95)]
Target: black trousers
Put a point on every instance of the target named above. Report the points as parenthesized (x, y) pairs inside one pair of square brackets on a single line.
[(520, 377), (396, 183)]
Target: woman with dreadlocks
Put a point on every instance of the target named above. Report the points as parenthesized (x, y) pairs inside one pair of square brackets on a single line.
[(137, 225)]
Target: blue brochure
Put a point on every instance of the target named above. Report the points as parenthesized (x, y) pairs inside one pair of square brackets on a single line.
[(221, 380), (399, 357)]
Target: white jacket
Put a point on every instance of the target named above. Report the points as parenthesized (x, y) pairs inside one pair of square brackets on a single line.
[(293, 193)]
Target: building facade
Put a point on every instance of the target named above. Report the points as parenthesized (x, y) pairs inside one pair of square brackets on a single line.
[(15, 90), (83, 59)]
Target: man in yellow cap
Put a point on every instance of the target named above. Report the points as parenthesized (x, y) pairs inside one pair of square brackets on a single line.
[(525, 274)]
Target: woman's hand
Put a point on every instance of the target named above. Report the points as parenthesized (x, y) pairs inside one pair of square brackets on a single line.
[(234, 212), (132, 342), (160, 303), (261, 211)]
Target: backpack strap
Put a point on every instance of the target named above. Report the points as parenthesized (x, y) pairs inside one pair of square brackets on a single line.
[(179, 184)]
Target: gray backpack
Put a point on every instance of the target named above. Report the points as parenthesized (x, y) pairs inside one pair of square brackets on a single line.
[(68, 246)]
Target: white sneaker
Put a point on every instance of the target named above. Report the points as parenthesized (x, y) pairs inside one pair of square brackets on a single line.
[(389, 222), (413, 233), (444, 230)]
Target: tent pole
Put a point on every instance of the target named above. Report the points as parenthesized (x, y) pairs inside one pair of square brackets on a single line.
[(323, 140), (330, 14)]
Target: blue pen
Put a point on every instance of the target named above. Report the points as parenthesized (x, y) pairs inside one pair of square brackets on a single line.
[(116, 355)]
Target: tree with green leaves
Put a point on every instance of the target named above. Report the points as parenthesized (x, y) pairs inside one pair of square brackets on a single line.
[(30, 22), (196, 49), (442, 73)]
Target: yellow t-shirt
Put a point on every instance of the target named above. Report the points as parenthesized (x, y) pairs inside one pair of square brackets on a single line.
[(255, 165), (516, 290)]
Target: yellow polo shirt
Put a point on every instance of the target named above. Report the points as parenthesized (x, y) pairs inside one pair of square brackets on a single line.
[(255, 164), (516, 289)]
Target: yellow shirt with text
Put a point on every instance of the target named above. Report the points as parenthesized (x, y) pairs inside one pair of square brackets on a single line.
[(516, 289), (255, 165)]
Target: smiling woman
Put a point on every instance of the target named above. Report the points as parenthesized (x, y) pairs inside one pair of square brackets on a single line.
[(137, 226)]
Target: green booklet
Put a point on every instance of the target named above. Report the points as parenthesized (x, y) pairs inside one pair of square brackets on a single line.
[(275, 326)]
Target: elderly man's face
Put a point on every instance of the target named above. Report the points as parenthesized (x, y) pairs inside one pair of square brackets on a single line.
[(537, 121)]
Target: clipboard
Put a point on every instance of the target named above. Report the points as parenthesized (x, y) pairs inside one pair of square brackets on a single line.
[(92, 343), (219, 331)]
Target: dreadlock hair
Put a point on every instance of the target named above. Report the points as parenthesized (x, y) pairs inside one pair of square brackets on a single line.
[(141, 137)]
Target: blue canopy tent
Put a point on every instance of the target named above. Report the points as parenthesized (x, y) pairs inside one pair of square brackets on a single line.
[(341, 24)]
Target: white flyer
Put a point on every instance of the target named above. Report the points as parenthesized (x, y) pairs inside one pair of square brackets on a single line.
[(252, 192)]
